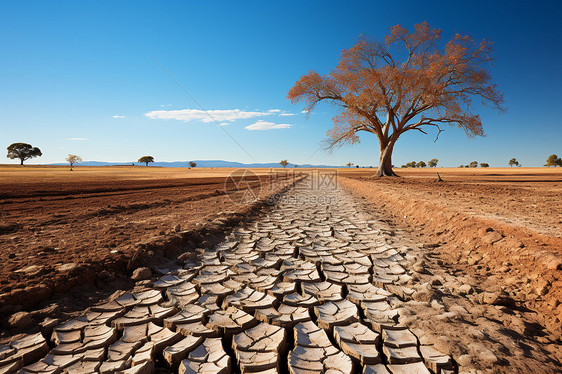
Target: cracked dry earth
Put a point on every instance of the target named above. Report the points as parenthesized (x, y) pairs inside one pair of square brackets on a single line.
[(312, 286)]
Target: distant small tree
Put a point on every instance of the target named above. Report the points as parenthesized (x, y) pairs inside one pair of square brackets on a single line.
[(284, 163), (192, 164), (553, 160), (403, 166), (484, 165), (296, 165), (421, 164), (474, 164), (349, 164), (513, 161), (432, 163), (146, 159), (461, 166), (23, 151), (73, 159), (411, 164), (466, 166)]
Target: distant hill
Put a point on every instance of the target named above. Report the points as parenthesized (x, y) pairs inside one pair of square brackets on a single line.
[(202, 164)]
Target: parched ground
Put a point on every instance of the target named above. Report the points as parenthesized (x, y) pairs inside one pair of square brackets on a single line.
[(358, 276), (501, 228), (59, 228), (521, 197)]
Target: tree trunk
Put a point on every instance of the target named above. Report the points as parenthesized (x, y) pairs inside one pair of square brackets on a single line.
[(385, 161), (21, 161)]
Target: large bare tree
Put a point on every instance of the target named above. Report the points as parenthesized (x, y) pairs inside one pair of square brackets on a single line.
[(408, 82)]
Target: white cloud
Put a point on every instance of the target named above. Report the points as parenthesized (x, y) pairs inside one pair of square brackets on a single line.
[(224, 124), (287, 114), (118, 116), (219, 115), (77, 139), (274, 110), (262, 125)]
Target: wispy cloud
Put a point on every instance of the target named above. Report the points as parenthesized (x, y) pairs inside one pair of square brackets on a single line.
[(77, 139), (287, 114), (118, 116), (262, 125), (219, 115), (274, 110)]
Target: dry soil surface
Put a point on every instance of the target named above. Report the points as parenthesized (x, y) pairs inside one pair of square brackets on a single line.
[(503, 227), (59, 229), (322, 282)]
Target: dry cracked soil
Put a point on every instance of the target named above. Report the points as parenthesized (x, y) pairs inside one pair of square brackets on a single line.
[(317, 283)]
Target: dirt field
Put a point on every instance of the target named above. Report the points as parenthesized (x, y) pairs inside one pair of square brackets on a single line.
[(501, 226), (471, 265), (522, 197), (60, 228), (53, 220)]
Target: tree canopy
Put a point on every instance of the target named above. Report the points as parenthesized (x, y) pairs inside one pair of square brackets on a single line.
[(146, 159), (513, 161), (284, 163), (432, 163), (553, 160), (192, 164), (409, 81), (73, 159), (23, 151)]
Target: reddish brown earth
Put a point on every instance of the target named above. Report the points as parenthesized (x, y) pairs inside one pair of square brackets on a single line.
[(483, 247), (60, 229), (503, 227)]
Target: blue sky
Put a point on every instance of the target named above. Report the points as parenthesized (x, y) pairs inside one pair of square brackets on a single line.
[(79, 77)]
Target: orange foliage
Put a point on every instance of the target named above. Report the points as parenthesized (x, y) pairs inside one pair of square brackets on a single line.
[(407, 82)]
